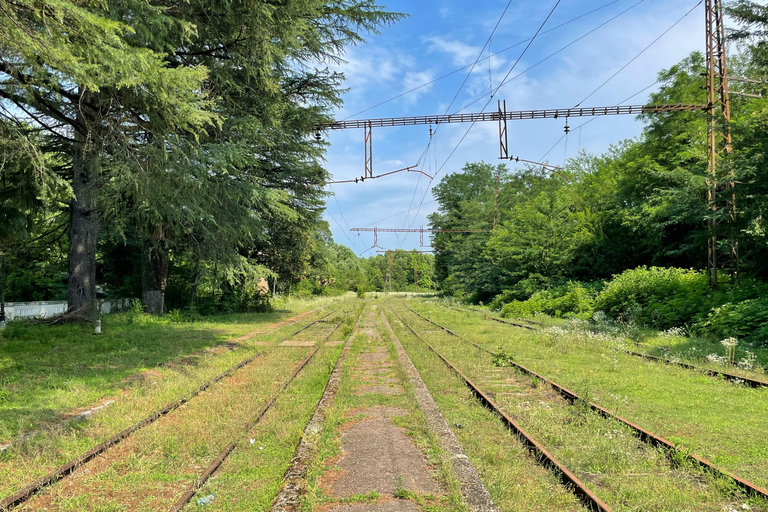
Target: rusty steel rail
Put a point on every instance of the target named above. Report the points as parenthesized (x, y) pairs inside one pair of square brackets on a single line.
[(753, 383), (500, 320), (747, 381), (219, 460), (64, 470), (313, 323), (543, 457), (643, 434)]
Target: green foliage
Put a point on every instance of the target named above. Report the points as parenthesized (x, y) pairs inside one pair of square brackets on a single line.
[(502, 358), (747, 319), (571, 299), (659, 297)]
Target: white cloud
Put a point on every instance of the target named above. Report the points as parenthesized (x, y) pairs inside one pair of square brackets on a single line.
[(415, 79), (462, 53)]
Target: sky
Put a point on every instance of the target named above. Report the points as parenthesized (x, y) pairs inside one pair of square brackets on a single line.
[(598, 53)]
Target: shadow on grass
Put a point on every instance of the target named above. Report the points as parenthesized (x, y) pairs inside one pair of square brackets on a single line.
[(46, 371)]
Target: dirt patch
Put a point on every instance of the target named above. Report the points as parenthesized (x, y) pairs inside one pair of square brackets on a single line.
[(298, 343), (378, 456), (383, 390), (373, 357), (380, 379), (389, 506), (377, 412)]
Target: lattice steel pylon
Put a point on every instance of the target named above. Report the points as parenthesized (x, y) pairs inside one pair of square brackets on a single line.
[(719, 142)]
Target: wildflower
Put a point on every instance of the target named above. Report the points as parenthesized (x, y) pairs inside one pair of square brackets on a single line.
[(729, 342)]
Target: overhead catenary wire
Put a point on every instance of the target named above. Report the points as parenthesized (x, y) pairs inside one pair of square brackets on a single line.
[(458, 70), (519, 58), (633, 59), (461, 88), (561, 49), (582, 125)]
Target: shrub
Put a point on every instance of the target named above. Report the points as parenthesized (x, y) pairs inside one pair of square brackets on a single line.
[(747, 319), (571, 299), (659, 297)]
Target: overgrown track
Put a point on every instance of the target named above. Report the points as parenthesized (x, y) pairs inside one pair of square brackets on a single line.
[(64, 470), (643, 434), (294, 479), (500, 320), (753, 383), (571, 481), (248, 425)]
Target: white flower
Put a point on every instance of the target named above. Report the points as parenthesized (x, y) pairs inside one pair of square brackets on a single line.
[(729, 342)]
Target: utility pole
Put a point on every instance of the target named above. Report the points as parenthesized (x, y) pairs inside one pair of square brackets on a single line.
[(719, 142), (2, 291), (416, 274)]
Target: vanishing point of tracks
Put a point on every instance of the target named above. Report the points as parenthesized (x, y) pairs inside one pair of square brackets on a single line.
[(28, 492), (544, 457)]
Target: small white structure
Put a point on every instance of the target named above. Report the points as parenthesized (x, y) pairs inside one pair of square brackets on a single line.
[(47, 309)]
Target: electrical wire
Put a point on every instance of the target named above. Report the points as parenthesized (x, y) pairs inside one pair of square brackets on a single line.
[(582, 125), (545, 59), (633, 59), (426, 84), (338, 206), (461, 87), (472, 125)]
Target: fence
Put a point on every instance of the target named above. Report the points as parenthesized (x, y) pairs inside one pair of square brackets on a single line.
[(47, 309)]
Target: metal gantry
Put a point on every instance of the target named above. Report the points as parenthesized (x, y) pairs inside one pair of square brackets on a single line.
[(719, 139), (421, 230)]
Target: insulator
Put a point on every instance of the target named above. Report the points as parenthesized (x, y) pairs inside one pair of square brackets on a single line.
[(318, 136), (567, 128)]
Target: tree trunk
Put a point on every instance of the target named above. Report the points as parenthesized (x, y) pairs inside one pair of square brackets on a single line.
[(154, 270), (193, 288), (81, 292)]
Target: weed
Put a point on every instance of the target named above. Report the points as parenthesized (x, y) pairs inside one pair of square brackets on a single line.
[(502, 358)]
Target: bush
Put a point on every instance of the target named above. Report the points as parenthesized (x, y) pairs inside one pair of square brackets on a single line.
[(658, 297), (571, 299), (521, 291), (747, 319)]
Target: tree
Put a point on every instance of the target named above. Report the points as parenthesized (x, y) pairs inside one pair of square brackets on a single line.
[(84, 74)]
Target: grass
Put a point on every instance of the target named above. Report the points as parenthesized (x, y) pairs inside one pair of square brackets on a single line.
[(251, 477), (496, 454), (60, 442), (49, 371), (715, 419)]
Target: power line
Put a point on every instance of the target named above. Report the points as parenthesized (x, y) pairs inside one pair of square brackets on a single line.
[(338, 206), (505, 81), (639, 54), (479, 56), (489, 101), (595, 119), (542, 61), (461, 87), (426, 84)]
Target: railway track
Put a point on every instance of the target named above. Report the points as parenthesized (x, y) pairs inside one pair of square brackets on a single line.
[(644, 435), (568, 479), (30, 490), (252, 422), (747, 381)]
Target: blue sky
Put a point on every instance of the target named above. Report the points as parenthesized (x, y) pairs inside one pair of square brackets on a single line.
[(440, 36)]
